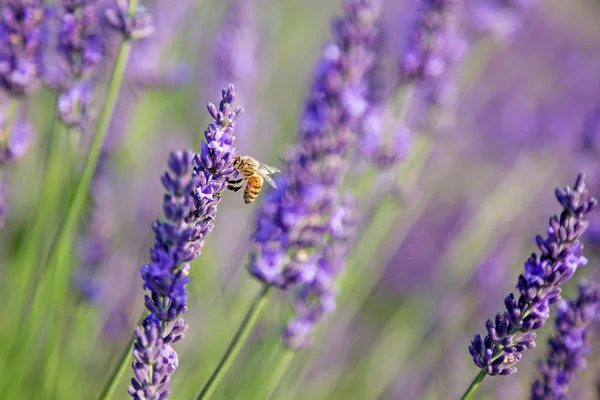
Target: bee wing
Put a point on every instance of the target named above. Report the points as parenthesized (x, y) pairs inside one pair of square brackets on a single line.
[(268, 169), (264, 170)]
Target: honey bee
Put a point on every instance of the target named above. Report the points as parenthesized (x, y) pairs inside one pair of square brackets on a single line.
[(254, 174)]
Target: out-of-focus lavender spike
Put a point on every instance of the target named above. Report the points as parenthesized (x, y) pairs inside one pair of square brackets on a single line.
[(73, 104), (383, 137), (80, 44), (513, 331), (436, 45), (14, 141), (568, 348), (235, 46), (499, 18), (99, 229), (193, 184), (235, 53), (316, 298), (22, 36), (293, 223), (146, 67), (137, 26)]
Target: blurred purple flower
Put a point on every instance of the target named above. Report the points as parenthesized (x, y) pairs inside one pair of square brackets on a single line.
[(499, 18), (512, 331), (80, 42), (73, 104), (294, 223), (15, 144), (235, 47), (22, 25), (377, 144), (316, 298), (436, 45), (568, 348), (136, 26), (193, 183), (95, 244)]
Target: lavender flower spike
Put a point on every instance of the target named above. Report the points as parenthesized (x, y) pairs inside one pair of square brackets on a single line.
[(317, 298), (293, 223), (435, 48), (193, 184), (568, 347), (512, 331), (80, 43), (21, 45)]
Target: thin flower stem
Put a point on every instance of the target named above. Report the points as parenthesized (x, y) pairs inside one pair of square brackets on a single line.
[(277, 372), (474, 385), (120, 366), (51, 291), (236, 343), (58, 265)]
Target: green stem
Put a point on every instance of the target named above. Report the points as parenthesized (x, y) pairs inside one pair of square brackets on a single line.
[(474, 385), (119, 367), (59, 267), (51, 291), (236, 343), (277, 372)]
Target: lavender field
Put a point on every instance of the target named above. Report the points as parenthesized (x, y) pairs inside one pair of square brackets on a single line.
[(303, 200)]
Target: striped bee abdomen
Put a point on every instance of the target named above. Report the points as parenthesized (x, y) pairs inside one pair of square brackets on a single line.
[(253, 187)]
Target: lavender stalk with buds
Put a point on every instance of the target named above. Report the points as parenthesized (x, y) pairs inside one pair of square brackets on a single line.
[(568, 348), (80, 50), (512, 331), (295, 239), (193, 184), (22, 35), (435, 47), (381, 149), (293, 222), (298, 238)]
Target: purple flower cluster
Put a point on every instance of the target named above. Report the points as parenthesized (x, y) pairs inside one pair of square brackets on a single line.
[(317, 298), (235, 58), (382, 149), (500, 18), (293, 222), (512, 331), (435, 46), (193, 183), (80, 42), (22, 24), (136, 26), (80, 50), (568, 348), (303, 225), (14, 140), (95, 246)]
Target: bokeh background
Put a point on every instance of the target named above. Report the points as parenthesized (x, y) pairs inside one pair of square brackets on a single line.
[(443, 235)]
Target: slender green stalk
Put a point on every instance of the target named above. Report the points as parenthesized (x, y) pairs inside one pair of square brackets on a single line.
[(474, 385), (51, 291), (59, 267), (119, 367), (236, 343), (277, 372)]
